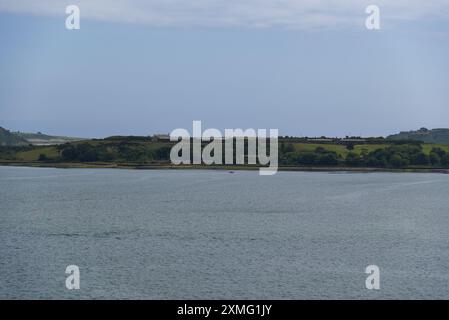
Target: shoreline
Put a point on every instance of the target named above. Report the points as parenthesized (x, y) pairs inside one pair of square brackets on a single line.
[(78, 165)]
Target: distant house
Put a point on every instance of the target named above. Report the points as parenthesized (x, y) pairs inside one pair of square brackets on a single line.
[(320, 139), (161, 137), (355, 140)]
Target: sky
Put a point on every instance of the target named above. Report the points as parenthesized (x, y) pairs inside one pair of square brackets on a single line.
[(307, 68)]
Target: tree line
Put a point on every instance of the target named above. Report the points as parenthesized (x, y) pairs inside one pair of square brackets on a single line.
[(393, 156), (396, 155)]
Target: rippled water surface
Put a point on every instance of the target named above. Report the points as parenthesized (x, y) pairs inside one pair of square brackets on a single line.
[(187, 234)]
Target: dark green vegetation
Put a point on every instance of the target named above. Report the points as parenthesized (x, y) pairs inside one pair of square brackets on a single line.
[(131, 149), (293, 152), (440, 136), (138, 150), (388, 155)]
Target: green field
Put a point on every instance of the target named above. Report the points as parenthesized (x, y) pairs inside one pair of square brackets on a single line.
[(50, 152)]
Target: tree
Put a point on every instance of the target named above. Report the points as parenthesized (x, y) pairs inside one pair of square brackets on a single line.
[(83, 152), (397, 161), (69, 153), (307, 158), (320, 150), (87, 153), (435, 159), (445, 160), (353, 159), (327, 159), (286, 148), (440, 152), (163, 153), (419, 158)]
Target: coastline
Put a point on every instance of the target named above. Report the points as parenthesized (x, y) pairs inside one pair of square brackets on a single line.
[(98, 165)]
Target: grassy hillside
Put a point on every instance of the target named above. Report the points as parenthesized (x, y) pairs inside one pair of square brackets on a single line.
[(340, 149), (439, 136), (7, 138), (44, 139)]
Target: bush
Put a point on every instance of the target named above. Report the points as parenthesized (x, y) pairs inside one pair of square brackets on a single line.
[(398, 161), (353, 159), (163, 153), (419, 158), (307, 158), (327, 159), (445, 160), (82, 152), (435, 159)]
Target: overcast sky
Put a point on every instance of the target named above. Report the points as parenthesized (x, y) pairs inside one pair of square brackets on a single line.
[(305, 67)]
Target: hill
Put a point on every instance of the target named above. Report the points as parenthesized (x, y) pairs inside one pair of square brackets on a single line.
[(11, 138), (41, 139), (439, 136), (8, 138)]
